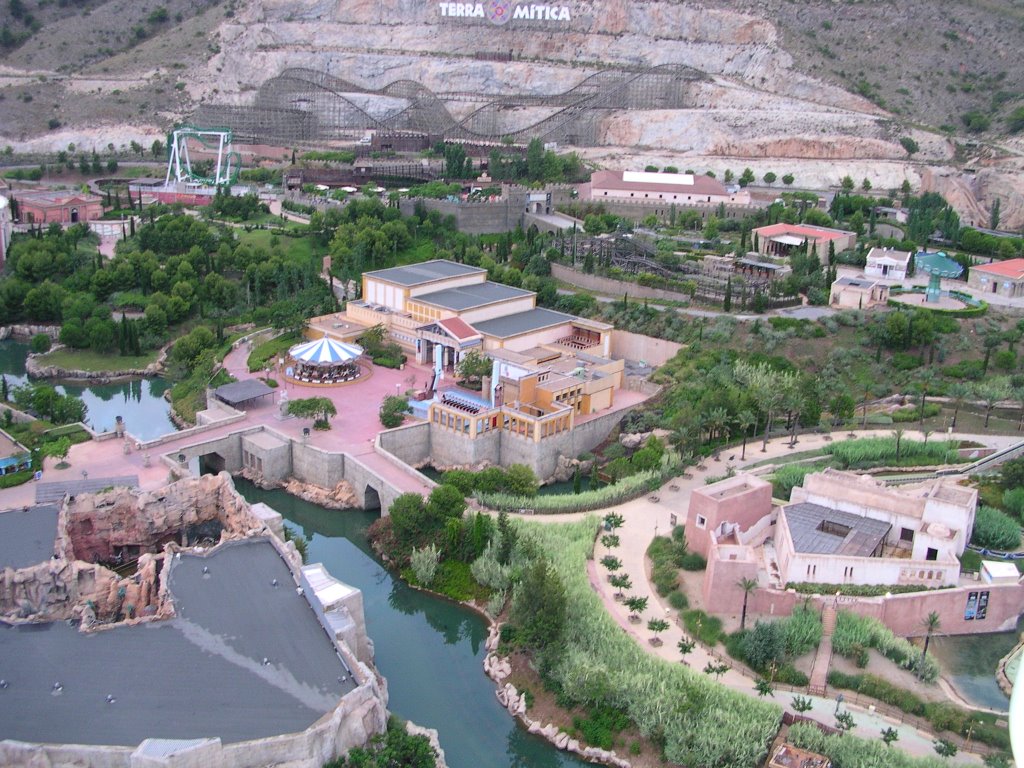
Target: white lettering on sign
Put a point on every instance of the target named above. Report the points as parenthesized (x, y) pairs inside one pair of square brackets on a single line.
[(499, 12)]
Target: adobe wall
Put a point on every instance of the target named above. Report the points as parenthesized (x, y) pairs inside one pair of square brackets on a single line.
[(904, 614), (627, 345), (721, 585)]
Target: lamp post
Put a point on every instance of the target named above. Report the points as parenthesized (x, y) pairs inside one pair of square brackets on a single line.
[(839, 702)]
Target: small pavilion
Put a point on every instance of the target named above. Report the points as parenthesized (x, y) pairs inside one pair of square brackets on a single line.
[(325, 361), (937, 266)]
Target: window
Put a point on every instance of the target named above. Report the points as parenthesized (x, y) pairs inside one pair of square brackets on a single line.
[(907, 534), (932, 554), (702, 521)]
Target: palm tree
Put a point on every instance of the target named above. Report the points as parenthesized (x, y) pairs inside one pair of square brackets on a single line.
[(991, 393), (898, 434), (715, 421), (747, 585), (924, 380), (747, 421), (932, 624), (959, 392)]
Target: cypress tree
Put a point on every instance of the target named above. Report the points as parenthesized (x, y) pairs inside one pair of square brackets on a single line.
[(131, 225), (122, 335), (727, 302)]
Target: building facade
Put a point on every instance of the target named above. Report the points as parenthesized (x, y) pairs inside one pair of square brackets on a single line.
[(855, 293), (682, 189), (42, 207), (887, 263), (782, 239), (6, 227), (1003, 278)]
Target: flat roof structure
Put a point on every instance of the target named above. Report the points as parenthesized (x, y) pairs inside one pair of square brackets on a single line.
[(241, 660), (854, 282), (522, 322), (53, 196), (471, 296), (28, 536), (645, 181), (239, 392), (822, 531), (47, 493), (424, 272), (788, 756)]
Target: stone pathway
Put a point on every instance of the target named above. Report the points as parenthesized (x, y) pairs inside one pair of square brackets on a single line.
[(819, 672)]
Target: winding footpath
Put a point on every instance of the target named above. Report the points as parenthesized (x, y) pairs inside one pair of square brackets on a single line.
[(645, 518)]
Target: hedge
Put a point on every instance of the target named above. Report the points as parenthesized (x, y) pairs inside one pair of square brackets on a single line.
[(606, 496)]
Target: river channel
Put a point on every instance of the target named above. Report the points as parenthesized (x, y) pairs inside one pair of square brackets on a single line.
[(139, 402), (430, 650)]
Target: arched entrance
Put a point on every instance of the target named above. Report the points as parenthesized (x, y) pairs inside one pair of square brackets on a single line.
[(371, 499), (74, 215)]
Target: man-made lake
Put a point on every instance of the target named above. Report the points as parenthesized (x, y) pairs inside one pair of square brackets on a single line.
[(139, 402), (430, 650), (969, 663)]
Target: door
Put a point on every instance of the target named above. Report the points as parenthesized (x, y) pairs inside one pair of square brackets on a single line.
[(74, 215)]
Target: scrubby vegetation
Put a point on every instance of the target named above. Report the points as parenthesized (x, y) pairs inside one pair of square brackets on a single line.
[(855, 633)]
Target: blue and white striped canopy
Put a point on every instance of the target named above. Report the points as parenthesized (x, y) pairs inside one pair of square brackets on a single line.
[(325, 351)]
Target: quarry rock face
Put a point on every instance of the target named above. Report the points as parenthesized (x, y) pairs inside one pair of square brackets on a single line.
[(342, 496), (97, 532)]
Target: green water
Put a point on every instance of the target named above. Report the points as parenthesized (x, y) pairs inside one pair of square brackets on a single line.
[(969, 663), (139, 402), (430, 650)]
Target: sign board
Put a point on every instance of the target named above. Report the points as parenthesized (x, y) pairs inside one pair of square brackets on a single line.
[(982, 606), (500, 12), (972, 606), (672, 519)]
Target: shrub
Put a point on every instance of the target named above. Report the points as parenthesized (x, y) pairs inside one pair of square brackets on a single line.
[(601, 726), (707, 629), (873, 451), (995, 530), (853, 630), (691, 561), (41, 343), (848, 751), (1013, 501), (597, 498), (424, 564), (790, 476), (678, 601), (393, 410)]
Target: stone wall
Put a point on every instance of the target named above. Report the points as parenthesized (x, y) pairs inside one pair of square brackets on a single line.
[(409, 443), (317, 466), (473, 218), (612, 287), (627, 345)]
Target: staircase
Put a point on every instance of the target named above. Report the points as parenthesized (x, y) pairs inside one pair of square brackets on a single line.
[(819, 672)]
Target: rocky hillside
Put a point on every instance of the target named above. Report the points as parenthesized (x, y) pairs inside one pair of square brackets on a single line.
[(818, 88)]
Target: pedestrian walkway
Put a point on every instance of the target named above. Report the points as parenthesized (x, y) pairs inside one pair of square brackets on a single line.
[(819, 672)]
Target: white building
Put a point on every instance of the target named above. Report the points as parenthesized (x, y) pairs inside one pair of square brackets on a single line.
[(887, 263), (646, 187), (841, 528), (6, 227)]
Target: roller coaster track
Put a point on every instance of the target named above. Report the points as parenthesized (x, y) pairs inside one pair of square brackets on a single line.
[(332, 107)]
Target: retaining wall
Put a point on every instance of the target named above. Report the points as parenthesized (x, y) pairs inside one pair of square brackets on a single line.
[(612, 287), (627, 345)]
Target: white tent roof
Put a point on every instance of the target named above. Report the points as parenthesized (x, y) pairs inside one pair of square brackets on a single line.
[(325, 351), (789, 239)]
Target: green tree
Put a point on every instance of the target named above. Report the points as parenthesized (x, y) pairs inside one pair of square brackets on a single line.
[(746, 420), (621, 582), (320, 409), (393, 410), (474, 366), (764, 687), (889, 736), (636, 606), (846, 184), (657, 626), (748, 586), (910, 145), (769, 178), (802, 704), (993, 220), (945, 748), (746, 178), (845, 722), (539, 606), (958, 392), (788, 179), (932, 623), (686, 646)]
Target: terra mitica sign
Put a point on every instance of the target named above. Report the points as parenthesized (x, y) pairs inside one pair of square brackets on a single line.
[(500, 12)]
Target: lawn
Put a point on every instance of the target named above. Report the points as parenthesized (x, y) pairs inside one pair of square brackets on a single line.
[(260, 357), (88, 360), (301, 247)]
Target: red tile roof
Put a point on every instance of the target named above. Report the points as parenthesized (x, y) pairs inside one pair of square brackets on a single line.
[(459, 329), (701, 185), (1013, 268), (805, 230)]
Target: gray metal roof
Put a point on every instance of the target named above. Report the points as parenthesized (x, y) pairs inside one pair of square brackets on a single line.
[(470, 296), (199, 674), (27, 537), (522, 322), (424, 272), (854, 282), (238, 392), (843, 534)]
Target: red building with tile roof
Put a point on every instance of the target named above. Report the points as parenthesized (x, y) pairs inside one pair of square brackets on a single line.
[(781, 239), (46, 206), (1003, 278)]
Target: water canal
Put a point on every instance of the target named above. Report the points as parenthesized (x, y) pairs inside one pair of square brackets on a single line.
[(139, 402), (969, 663), (430, 650)]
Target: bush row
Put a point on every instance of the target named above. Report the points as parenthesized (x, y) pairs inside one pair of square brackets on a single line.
[(605, 496)]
